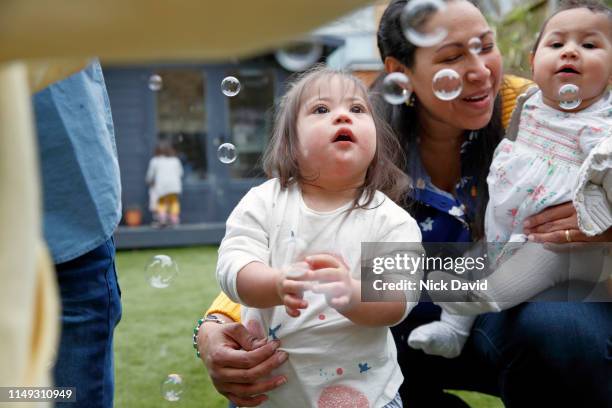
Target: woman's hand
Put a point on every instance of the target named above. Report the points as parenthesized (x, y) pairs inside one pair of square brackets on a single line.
[(335, 281), (291, 289), (550, 226), (236, 361)]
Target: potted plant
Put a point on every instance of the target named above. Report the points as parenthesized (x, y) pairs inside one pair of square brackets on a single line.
[(133, 216)]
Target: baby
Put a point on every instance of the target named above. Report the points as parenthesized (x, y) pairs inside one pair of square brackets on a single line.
[(557, 150)]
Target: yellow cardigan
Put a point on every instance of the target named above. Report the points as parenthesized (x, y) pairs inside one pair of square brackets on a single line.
[(512, 87)]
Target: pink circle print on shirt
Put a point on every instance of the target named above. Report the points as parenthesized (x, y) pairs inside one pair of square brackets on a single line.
[(341, 396)]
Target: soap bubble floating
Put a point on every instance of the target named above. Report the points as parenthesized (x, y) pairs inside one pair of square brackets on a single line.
[(230, 86), (172, 388), (475, 45), (414, 21), (447, 84), (396, 88), (569, 97), (161, 271), (227, 153), (156, 83)]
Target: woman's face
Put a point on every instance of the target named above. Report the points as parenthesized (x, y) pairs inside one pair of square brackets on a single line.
[(481, 73)]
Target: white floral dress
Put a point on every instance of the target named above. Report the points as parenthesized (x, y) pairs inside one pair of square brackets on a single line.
[(541, 167)]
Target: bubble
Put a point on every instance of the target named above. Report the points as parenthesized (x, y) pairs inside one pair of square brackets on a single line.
[(396, 88), (161, 271), (569, 97), (172, 387), (227, 153), (413, 19), (156, 83), (475, 45), (447, 84), (295, 249), (230, 86), (296, 270)]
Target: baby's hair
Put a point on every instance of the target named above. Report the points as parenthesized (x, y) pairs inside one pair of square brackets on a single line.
[(281, 157), (594, 6), (164, 148)]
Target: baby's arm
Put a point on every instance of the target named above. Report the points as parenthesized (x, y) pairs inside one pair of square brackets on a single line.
[(261, 286), (343, 292), (257, 285), (593, 197), (243, 269), (245, 249)]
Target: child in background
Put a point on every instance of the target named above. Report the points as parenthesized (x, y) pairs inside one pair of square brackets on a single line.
[(544, 167), (335, 179), (164, 179)]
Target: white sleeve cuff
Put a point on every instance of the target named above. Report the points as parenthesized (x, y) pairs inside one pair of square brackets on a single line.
[(593, 209)]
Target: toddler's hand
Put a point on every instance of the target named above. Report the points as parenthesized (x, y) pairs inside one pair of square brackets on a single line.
[(335, 281), (290, 287)]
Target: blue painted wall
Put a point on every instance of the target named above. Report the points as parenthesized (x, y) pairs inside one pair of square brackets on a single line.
[(134, 113)]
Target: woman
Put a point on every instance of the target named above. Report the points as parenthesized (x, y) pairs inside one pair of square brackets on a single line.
[(538, 350)]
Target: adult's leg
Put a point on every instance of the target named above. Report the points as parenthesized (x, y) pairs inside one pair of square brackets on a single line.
[(91, 308), (556, 354), (426, 377)]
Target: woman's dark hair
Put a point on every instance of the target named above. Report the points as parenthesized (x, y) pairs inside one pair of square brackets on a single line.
[(405, 121), (592, 5), (281, 156)]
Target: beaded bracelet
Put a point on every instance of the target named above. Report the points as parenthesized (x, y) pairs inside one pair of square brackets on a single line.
[(196, 330)]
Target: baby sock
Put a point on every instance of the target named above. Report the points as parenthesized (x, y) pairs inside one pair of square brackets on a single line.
[(444, 338)]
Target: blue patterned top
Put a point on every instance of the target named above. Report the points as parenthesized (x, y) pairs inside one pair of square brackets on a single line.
[(443, 217)]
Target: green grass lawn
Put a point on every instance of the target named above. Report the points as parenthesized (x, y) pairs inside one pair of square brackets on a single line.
[(153, 339)]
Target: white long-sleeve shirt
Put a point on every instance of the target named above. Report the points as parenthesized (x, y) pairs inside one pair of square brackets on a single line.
[(165, 173), (330, 357)]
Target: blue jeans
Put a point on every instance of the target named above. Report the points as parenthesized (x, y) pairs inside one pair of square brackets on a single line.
[(91, 308), (552, 354)]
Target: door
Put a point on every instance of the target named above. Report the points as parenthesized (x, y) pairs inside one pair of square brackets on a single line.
[(246, 122)]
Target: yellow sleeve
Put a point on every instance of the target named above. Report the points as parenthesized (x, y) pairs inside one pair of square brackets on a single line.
[(512, 87), (222, 304)]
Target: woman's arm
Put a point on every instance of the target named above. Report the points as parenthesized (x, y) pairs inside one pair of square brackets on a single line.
[(238, 362), (224, 305)]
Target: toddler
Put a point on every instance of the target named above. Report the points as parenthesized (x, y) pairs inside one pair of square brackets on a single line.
[(292, 249), (164, 179)]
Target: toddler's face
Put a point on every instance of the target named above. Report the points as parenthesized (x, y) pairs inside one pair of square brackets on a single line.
[(575, 49), (336, 132)]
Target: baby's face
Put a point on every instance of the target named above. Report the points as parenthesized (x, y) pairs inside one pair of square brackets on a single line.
[(336, 132), (575, 49)]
